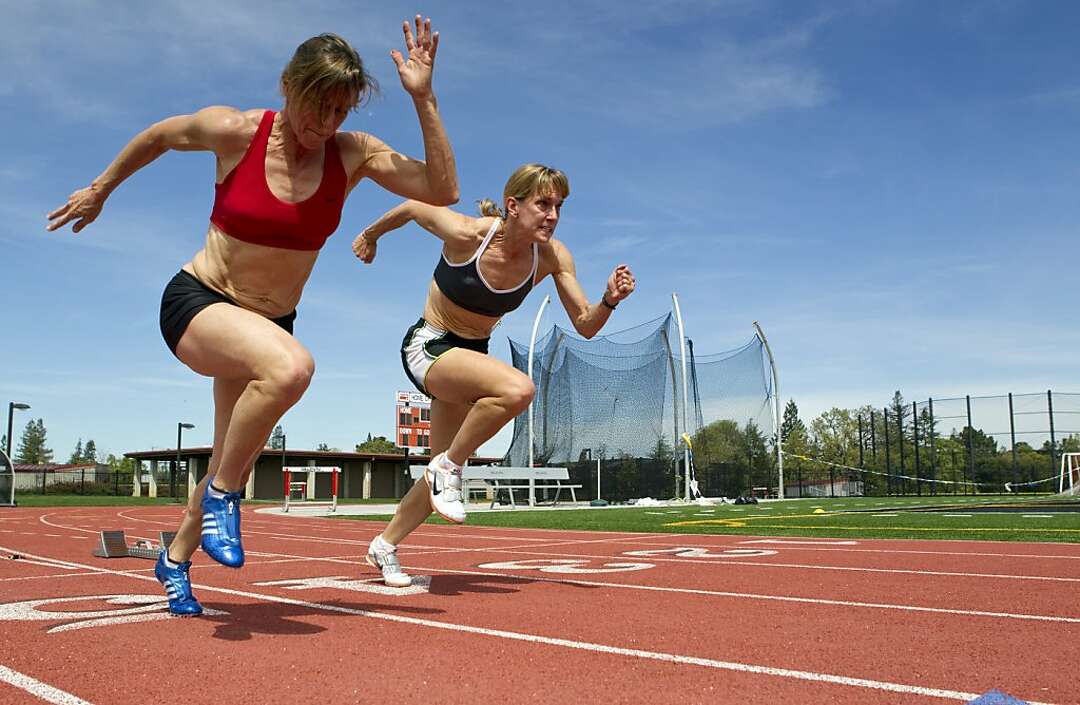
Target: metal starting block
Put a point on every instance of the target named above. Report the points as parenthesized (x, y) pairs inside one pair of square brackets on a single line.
[(114, 545)]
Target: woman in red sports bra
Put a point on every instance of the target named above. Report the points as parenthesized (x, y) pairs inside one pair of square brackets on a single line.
[(282, 179)]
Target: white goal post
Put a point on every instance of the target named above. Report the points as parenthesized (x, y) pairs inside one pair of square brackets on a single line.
[(1069, 480)]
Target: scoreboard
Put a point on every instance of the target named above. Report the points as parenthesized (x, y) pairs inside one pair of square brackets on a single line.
[(412, 412)]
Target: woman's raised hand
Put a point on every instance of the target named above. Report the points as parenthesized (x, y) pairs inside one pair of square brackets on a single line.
[(415, 69)]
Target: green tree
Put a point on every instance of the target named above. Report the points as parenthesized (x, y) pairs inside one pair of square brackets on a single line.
[(32, 448), (836, 436), (277, 439), (791, 423), (90, 452), (77, 454), (378, 444), (121, 464), (662, 452)]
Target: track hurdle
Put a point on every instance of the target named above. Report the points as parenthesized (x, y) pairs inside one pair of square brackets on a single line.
[(301, 486)]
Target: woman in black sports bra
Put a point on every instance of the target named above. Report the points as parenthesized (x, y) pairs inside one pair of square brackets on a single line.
[(488, 266)]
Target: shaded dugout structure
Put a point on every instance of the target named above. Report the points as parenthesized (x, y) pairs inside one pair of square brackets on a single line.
[(363, 475)]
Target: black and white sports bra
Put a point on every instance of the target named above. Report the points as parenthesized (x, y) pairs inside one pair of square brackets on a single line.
[(465, 286)]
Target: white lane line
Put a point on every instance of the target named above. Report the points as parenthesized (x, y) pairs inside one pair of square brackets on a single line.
[(42, 690), (966, 516), (756, 596), (812, 676), (286, 558), (1037, 516), (853, 569), (804, 542)]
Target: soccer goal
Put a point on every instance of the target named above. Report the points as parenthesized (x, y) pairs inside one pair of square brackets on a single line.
[(1069, 481), (7, 481)]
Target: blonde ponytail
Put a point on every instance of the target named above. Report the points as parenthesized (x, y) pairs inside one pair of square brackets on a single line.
[(489, 208)]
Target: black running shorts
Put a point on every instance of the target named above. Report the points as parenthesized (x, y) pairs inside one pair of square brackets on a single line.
[(184, 296)]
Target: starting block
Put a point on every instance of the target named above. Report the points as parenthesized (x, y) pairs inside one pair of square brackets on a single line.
[(114, 545)]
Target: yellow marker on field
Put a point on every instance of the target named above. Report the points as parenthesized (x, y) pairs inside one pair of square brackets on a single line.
[(819, 510)]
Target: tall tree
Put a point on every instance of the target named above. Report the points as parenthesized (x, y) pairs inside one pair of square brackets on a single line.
[(662, 451), (791, 423), (77, 454), (277, 438), (90, 452), (32, 448)]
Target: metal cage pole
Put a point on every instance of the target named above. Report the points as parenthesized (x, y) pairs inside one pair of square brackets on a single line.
[(532, 345), (776, 410), (685, 396)]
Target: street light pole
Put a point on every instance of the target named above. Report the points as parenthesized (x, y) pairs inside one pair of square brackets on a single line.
[(12, 406), (180, 426)]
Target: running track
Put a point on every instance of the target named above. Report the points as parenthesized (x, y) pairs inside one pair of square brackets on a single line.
[(517, 615)]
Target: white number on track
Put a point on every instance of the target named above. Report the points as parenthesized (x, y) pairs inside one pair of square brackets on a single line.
[(566, 565)]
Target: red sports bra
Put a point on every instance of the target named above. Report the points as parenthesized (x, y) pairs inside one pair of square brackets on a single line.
[(246, 209)]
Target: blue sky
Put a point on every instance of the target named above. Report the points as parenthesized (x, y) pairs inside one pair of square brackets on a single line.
[(890, 188)]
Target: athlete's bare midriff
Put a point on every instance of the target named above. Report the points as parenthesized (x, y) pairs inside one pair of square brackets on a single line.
[(443, 313), (266, 280)]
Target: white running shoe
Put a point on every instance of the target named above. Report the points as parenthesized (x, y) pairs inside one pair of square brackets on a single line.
[(444, 483), (383, 555)]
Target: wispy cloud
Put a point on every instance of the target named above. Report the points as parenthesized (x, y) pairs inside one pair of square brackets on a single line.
[(1068, 96)]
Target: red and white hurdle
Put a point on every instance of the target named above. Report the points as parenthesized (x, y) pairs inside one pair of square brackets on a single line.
[(302, 486)]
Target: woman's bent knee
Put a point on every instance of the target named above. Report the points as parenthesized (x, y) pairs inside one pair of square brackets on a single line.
[(291, 377), (519, 394)]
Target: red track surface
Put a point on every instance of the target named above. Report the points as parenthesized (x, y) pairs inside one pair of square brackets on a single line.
[(806, 621)]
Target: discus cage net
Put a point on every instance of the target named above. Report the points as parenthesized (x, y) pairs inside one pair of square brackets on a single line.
[(620, 402)]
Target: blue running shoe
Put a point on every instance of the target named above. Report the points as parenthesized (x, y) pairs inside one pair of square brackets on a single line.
[(221, 528), (177, 587)]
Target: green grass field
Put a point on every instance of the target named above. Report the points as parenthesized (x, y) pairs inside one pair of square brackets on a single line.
[(74, 500), (987, 518)]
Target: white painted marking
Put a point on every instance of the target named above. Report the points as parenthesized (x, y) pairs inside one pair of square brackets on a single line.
[(42, 690), (884, 515), (420, 585), (660, 513), (556, 565), (854, 569), (697, 552), (965, 516), (804, 543), (147, 608), (47, 564)]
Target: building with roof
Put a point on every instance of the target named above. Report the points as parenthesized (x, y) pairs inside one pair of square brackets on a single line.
[(363, 475)]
